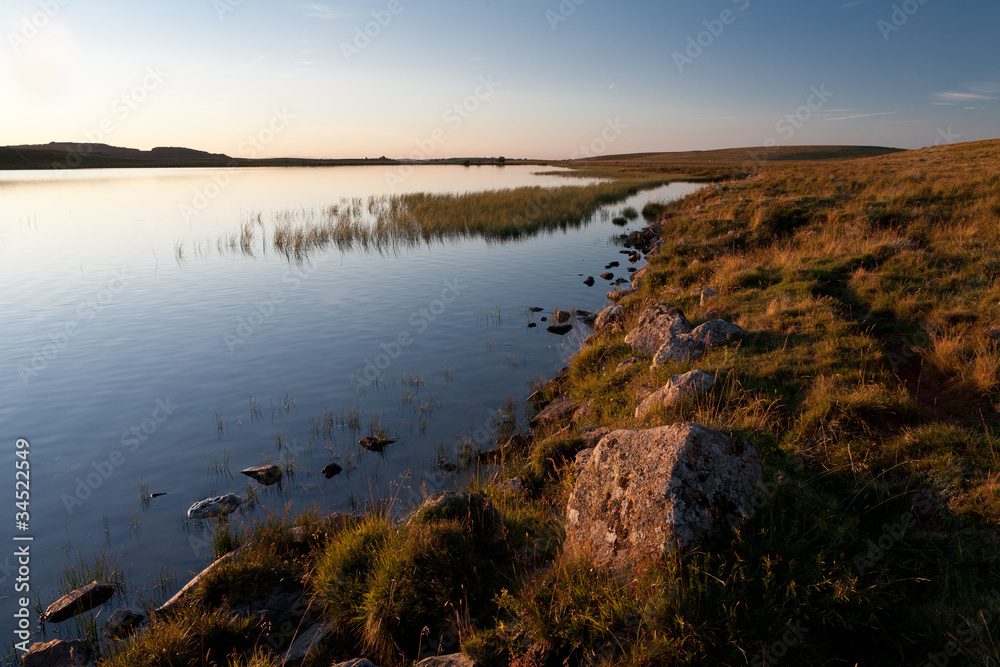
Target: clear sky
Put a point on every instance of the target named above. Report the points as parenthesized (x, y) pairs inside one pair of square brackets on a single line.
[(519, 78)]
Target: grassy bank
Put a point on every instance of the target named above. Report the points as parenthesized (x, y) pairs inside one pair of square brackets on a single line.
[(868, 381)]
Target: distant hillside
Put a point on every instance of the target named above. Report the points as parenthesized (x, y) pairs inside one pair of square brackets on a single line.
[(160, 152)]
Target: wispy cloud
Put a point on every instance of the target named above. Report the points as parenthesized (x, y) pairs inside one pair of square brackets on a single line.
[(974, 91), (322, 12), (863, 115), (855, 3)]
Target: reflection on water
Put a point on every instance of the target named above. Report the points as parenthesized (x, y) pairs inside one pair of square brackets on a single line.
[(257, 359)]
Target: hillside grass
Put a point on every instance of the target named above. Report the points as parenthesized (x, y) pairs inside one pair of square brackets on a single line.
[(868, 380)]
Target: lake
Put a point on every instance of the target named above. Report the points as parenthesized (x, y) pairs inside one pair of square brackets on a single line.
[(142, 358)]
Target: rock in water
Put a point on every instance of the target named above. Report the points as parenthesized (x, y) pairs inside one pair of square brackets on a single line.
[(589, 282), (266, 475), (561, 316), (535, 309), (559, 329), (375, 444), (607, 275), (218, 506), (123, 622), (332, 470), (641, 492), (82, 599), (57, 653), (678, 388)]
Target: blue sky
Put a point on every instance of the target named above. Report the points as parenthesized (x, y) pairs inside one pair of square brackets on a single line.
[(546, 79)]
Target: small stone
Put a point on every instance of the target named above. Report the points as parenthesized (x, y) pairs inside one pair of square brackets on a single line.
[(446, 465), (532, 325), (332, 470), (561, 316), (612, 265), (536, 309), (631, 361), (607, 275), (589, 282), (123, 622), (305, 644), (707, 294), (618, 295), (375, 444), (218, 506), (83, 599), (677, 389), (557, 413), (559, 329), (513, 485), (266, 475)]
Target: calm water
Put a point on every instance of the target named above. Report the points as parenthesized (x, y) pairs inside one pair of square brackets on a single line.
[(132, 371)]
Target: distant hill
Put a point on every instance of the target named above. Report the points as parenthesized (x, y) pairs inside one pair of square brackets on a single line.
[(160, 152)]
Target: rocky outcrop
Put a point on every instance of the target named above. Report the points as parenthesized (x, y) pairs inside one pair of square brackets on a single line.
[(608, 316), (677, 389), (266, 475), (641, 492), (556, 414), (57, 653), (657, 325), (76, 602), (664, 332), (218, 506)]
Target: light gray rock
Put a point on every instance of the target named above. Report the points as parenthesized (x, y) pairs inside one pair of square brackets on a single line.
[(680, 348), (76, 602), (453, 660), (307, 642), (716, 332), (583, 456), (512, 485), (657, 324), (641, 492), (625, 364), (618, 295), (57, 653), (608, 316), (707, 294), (677, 389), (218, 506), (266, 475)]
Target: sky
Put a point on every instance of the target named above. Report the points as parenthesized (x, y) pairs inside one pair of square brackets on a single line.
[(547, 79)]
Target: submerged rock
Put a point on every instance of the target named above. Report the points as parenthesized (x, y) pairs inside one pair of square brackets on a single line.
[(266, 475), (332, 470), (375, 444), (218, 506), (559, 329), (57, 653), (561, 316), (642, 492), (607, 275), (76, 602), (589, 282)]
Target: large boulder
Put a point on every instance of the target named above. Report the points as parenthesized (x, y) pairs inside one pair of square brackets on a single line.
[(82, 599), (608, 316), (57, 653), (657, 324), (677, 389), (641, 492)]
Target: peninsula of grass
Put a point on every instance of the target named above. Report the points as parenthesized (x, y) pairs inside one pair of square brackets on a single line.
[(868, 380)]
